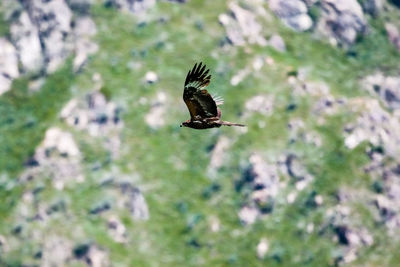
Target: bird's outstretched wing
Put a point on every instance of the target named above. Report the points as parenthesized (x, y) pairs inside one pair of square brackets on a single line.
[(199, 102)]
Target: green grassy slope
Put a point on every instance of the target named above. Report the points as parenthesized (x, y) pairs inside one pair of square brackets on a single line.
[(182, 201)]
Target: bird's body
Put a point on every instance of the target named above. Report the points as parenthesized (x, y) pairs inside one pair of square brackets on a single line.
[(203, 108)]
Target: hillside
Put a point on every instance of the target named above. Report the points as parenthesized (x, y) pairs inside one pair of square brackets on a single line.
[(95, 170)]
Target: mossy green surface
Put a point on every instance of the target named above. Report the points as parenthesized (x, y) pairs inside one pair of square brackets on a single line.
[(183, 199)]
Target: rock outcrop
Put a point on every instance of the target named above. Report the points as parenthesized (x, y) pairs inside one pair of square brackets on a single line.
[(44, 34), (8, 65), (352, 237), (386, 177), (293, 13), (341, 21), (242, 27), (25, 37), (98, 117), (262, 179), (134, 6), (155, 117), (375, 125), (264, 182), (393, 34), (58, 157), (386, 87), (372, 7), (263, 104), (218, 155)]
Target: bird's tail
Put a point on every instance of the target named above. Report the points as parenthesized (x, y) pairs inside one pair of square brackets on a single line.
[(227, 123)]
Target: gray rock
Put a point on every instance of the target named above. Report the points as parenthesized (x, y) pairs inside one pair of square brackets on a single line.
[(341, 21), (374, 125), (117, 229), (97, 257), (298, 132), (58, 158), (324, 102), (151, 77), (10, 8), (240, 75), (293, 13), (263, 104), (25, 36), (53, 20), (292, 166), (8, 65), (372, 7), (134, 6), (386, 176), (328, 105), (266, 182), (121, 194), (59, 140), (389, 212), (155, 117), (277, 42), (36, 84), (99, 117), (84, 30), (8, 59), (303, 87), (262, 179), (393, 35), (218, 155), (42, 34), (80, 6), (248, 214), (262, 248), (134, 201), (347, 232), (56, 251), (92, 255), (242, 27), (264, 175), (386, 87)]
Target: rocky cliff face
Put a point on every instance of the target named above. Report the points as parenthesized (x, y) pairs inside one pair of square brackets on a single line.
[(43, 34), (113, 178)]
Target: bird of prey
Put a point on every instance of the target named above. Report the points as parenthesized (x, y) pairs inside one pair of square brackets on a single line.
[(203, 108)]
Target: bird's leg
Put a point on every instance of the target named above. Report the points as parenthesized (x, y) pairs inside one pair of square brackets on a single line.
[(219, 113)]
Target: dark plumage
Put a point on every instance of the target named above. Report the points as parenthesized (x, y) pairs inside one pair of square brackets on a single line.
[(203, 108)]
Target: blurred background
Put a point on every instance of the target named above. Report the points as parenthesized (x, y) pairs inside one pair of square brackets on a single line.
[(95, 170)]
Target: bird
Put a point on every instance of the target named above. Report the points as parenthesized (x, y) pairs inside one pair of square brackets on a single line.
[(203, 108)]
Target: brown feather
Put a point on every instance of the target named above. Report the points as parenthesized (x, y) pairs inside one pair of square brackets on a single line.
[(202, 106), (199, 102)]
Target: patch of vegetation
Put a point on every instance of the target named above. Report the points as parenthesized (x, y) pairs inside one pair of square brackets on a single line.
[(173, 162), (25, 116), (4, 27)]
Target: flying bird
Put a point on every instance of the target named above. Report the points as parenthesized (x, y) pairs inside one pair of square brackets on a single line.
[(203, 108)]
